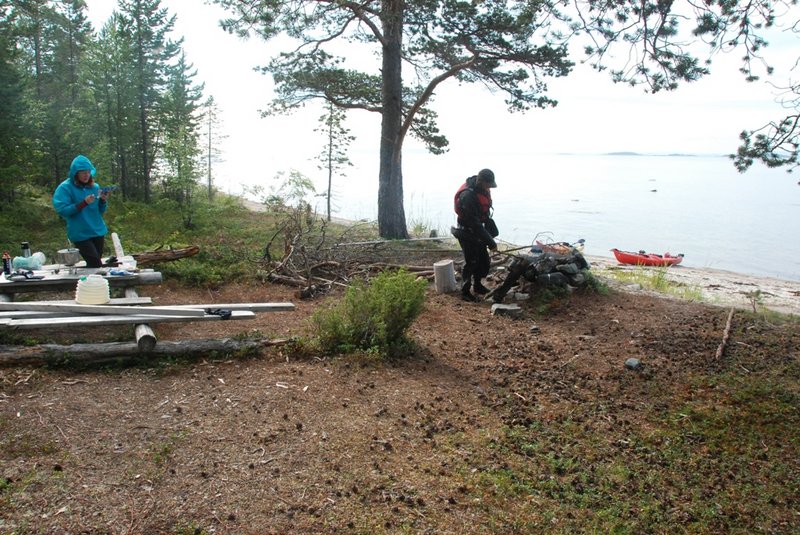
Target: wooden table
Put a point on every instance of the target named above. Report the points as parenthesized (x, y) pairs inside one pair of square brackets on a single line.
[(123, 310), (66, 281)]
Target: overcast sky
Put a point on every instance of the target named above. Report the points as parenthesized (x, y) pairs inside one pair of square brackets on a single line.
[(593, 114)]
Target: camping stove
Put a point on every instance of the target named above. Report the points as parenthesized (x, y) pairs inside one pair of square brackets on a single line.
[(68, 258)]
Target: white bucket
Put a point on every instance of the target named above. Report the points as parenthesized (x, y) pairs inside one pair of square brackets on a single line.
[(92, 290)]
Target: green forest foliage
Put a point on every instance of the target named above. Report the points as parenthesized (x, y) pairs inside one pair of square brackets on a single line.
[(123, 95), (231, 238)]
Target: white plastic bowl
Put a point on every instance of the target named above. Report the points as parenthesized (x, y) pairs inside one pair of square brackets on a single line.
[(92, 290)]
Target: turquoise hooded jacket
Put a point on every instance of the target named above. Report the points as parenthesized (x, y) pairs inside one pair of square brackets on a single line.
[(84, 221)]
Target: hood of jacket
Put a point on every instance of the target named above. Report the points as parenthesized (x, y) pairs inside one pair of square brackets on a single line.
[(80, 163)]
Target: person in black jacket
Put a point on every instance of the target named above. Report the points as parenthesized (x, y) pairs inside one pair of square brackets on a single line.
[(476, 230)]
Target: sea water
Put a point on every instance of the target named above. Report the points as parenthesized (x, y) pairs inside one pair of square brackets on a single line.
[(696, 205)]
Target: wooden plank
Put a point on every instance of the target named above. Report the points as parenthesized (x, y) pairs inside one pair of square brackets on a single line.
[(122, 258), (86, 321), (121, 301), (116, 301), (118, 250), (65, 281), (18, 314), (255, 307), (104, 309)]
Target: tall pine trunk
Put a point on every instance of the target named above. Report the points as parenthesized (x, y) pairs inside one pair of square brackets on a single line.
[(391, 214)]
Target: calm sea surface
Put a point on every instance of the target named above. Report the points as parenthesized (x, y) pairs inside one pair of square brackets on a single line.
[(696, 205)]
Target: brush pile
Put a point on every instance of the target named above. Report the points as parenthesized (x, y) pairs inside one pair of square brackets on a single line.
[(315, 258)]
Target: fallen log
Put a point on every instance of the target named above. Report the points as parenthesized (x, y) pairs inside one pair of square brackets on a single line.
[(289, 281), (112, 351), (165, 255)]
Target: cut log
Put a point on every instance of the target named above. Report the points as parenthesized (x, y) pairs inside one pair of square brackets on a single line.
[(99, 353), (145, 337), (444, 276)]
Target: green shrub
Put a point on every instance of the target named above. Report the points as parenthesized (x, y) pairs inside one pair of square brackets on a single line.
[(372, 317), (593, 285)]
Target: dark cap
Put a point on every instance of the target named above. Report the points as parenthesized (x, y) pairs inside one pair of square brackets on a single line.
[(487, 177)]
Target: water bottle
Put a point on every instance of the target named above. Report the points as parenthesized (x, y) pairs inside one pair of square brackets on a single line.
[(6, 263), (26, 249)]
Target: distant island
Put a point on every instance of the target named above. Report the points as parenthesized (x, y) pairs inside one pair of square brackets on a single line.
[(672, 155), (646, 155)]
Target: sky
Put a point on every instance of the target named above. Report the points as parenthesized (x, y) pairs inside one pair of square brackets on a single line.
[(593, 116)]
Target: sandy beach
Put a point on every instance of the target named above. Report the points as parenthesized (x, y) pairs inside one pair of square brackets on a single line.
[(719, 287)]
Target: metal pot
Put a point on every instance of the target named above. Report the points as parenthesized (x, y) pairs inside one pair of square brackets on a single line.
[(68, 257)]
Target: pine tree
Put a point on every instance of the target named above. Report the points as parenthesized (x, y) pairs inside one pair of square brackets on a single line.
[(213, 136), (333, 157), (12, 112), (148, 26), (181, 156)]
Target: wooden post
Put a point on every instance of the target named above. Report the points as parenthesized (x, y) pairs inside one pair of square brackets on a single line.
[(444, 276), (145, 335)]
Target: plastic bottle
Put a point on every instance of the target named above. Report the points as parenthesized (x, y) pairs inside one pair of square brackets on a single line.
[(6, 263), (26, 249)]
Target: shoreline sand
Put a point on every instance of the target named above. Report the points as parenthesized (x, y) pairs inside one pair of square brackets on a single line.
[(720, 287)]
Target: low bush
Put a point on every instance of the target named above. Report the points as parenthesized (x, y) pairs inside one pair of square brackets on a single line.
[(371, 317)]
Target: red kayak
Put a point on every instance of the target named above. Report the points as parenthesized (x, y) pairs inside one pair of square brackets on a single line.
[(646, 259)]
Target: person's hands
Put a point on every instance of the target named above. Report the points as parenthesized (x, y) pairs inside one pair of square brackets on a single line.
[(90, 198), (104, 194)]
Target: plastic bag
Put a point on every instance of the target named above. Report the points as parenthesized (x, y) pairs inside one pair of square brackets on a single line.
[(33, 262)]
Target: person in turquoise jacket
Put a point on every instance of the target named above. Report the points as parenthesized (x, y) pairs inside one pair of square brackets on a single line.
[(81, 202)]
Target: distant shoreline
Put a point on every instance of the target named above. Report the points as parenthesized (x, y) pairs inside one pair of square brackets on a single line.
[(646, 154), (717, 286)]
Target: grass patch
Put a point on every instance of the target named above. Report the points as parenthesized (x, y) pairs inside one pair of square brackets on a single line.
[(657, 279), (720, 463)]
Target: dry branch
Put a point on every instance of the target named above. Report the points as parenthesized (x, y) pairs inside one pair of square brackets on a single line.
[(725, 335)]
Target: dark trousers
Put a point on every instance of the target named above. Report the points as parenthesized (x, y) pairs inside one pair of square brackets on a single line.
[(92, 250), (476, 260)]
